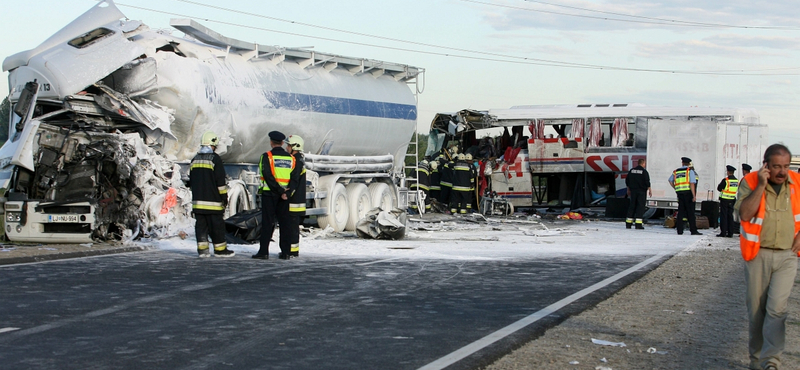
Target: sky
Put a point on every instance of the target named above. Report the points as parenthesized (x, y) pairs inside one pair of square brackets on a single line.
[(494, 54)]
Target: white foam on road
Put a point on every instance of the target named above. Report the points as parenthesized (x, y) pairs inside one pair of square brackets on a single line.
[(485, 241)]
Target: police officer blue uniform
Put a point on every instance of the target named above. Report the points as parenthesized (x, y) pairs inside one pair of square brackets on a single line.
[(276, 169), (684, 181), (727, 198)]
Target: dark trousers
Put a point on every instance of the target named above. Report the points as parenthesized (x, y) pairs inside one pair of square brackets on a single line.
[(297, 218), (726, 217), (636, 207), (685, 209), (275, 210), (209, 224), (444, 194)]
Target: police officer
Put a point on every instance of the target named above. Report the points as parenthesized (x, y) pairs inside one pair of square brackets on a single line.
[(746, 169), (276, 172), (209, 197), (727, 198), (638, 183), (684, 181), (297, 188)]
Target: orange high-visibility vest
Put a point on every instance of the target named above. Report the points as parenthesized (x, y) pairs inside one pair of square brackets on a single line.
[(750, 235)]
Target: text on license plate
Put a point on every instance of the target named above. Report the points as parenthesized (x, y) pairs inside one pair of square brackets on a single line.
[(62, 218)]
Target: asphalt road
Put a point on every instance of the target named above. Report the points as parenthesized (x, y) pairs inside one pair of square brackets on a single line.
[(170, 310)]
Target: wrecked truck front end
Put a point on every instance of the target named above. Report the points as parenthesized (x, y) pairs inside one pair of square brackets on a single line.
[(72, 175), (83, 160)]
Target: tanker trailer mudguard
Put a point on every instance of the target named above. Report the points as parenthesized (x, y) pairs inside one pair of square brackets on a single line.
[(106, 113)]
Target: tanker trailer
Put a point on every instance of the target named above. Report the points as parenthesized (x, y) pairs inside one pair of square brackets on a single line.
[(107, 113)]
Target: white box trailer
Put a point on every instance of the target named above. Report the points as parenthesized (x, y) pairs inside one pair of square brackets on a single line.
[(576, 155), (713, 142)]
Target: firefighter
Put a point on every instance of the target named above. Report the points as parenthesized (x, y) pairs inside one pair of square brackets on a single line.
[(297, 198), (209, 197), (446, 179), (276, 168), (436, 177), (727, 198), (422, 183), (460, 200), (684, 181), (472, 198), (638, 182)]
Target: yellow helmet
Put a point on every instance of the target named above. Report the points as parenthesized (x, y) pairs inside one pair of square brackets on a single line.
[(296, 142), (209, 138), (468, 157)]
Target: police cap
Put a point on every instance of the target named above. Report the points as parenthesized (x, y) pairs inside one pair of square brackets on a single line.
[(686, 160), (730, 168), (277, 136), (746, 167)]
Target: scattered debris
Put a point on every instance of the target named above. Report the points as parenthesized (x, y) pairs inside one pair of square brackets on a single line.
[(651, 350), (602, 368), (607, 343), (380, 224), (574, 362)]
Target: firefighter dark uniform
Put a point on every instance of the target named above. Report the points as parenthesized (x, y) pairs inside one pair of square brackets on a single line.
[(209, 198), (446, 180), (422, 183), (638, 181), (727, 198), (297, 200), (436, 177), (275, 168), (682, 180), (460, 200)]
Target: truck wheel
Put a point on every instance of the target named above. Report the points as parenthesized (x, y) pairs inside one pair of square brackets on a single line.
[(381, 196), (360, 204), (238, 198), (338, 209)]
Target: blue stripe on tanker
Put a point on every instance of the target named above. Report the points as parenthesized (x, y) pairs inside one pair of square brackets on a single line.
[(334, 105)]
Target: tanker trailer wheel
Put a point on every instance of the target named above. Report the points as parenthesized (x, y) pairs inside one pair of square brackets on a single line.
[(382, 196), (338, 209), (360, 204), (238, 198)]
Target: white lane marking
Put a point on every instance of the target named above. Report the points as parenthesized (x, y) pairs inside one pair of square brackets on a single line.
[(378, 261), (484, 342), (3, 330)]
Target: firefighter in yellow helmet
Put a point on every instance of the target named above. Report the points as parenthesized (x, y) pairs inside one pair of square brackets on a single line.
[(297, 188), (209, 197), (276, 169)]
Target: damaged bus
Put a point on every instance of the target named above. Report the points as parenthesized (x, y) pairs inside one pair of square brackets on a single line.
[(579, 155)]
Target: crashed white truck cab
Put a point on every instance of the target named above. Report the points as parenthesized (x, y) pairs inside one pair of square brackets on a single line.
[(107, 113)]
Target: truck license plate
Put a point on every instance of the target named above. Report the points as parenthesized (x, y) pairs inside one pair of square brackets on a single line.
[(62, 218)]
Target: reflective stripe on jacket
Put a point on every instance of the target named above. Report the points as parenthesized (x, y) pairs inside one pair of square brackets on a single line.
[(731, 187), (750, 235), (681, 179), (208, 184), (281, 167)]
